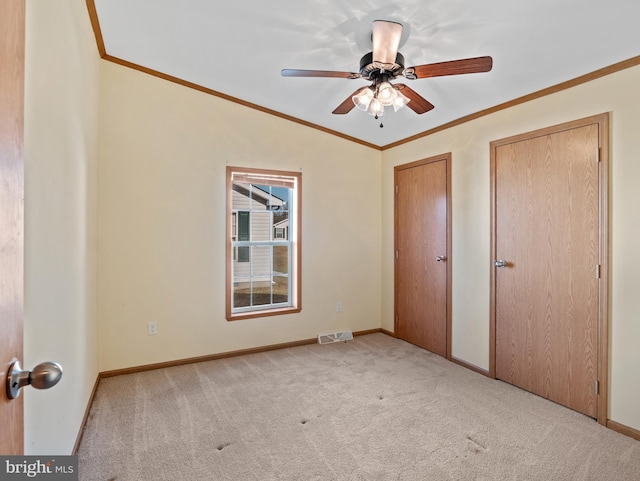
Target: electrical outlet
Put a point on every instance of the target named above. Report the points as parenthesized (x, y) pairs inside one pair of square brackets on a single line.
[(152, 328), (338, 306)]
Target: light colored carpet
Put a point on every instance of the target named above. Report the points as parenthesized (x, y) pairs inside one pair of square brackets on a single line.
[(375, 408)]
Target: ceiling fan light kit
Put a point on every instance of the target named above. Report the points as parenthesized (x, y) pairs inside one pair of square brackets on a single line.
[(385, 64), (363, 98), (399, 101), (374, 98)]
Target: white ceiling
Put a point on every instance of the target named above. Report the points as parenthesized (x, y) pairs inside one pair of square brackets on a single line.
[(239, 47)]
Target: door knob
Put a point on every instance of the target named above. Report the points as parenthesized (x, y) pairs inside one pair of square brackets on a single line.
[(43, 376), (500, 263), (441, 258)]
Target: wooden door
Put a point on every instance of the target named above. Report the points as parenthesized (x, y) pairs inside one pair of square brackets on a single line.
[(422, 273), (546, 188), (12, 23)]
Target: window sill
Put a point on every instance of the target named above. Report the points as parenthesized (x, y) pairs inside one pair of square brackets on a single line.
[(264, 313)]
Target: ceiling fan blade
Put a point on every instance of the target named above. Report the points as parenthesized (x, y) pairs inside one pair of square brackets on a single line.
[(290, 72), (417, 103), (346, 106), (454, 67), (386, 40)]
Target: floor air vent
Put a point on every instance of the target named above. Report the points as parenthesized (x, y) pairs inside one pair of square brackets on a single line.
[(340, 336)]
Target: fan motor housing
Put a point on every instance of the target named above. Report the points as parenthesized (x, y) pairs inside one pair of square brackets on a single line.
[(370, 70)]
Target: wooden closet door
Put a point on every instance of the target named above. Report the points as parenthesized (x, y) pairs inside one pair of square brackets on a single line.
[(546, 296), (421, 254)]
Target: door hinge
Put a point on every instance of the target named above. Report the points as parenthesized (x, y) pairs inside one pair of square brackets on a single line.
[(396, 317), (396, 188), (597, 386), (396, 253), (598, 154), (598, 271)]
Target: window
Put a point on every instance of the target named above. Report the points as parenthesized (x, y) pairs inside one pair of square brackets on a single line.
[(263, 242)]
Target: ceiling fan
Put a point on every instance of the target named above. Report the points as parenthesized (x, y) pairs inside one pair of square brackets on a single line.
[(384, 64)]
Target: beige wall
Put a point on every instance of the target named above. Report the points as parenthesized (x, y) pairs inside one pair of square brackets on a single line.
[(61, 108), (469, 144), (163, 153)]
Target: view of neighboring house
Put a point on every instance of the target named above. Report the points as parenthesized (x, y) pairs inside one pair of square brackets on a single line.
[(257, 216)]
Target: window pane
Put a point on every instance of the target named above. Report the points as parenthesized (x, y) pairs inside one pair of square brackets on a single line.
[(281, 225), (260, 263), (243, 226), (279, 198), (280, 289), (241, 294), (261, 293), (280, 260), (260, 226), (240, 199), (243, 235), (260, 196), (243, 254)]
